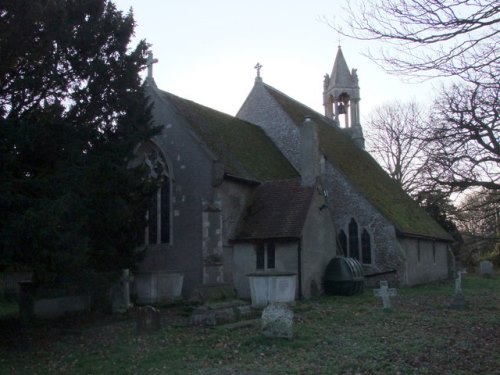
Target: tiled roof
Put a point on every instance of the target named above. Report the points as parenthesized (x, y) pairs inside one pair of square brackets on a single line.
[(243, 148), (364, 173), (278, 210)]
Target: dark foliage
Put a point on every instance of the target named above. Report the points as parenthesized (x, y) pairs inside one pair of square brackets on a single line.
[(72, 110)]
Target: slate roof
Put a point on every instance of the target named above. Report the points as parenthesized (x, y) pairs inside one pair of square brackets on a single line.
[(364, 173), (244, 149), (341, 76), (278, 211)]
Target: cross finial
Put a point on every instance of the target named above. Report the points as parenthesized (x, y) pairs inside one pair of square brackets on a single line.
[(149, 63), (258, 66)]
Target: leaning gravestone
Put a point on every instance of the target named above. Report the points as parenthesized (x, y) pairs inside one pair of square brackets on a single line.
[(385, 293), (486, 268), (148, 320), (120, 293), (277, 321)]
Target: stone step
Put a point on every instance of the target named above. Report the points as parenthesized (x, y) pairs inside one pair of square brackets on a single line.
[(240, 324), (223, 313)]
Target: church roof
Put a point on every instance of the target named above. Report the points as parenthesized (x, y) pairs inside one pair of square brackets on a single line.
[(244, 149), (364, 173), (271, 214), (341, 76)]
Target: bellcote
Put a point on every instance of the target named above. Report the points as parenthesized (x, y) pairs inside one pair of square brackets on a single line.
[(341, 98)]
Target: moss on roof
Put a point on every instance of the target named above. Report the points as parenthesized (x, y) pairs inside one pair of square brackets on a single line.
[(364, 173), (278, 210), (243, 148)]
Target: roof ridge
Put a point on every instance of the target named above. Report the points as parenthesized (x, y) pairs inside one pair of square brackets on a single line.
[(330, 121)]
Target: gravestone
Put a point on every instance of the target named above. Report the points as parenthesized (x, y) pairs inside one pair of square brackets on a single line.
[(120, 293), (148, 320), (385, 293), (486, 268), (458, 301), (277, 321)]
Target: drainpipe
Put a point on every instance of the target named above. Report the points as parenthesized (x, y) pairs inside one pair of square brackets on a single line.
[(299, 266)]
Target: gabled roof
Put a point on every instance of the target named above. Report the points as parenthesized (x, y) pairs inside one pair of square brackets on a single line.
[(244, 149), (364, 173), (278, 211)]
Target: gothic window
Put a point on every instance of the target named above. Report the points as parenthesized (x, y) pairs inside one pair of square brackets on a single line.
[(366, 250), (343, 242), (159, 212), (353, 240), (266, 256)]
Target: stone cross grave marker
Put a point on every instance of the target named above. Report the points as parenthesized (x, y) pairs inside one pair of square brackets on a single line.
[(458, 282), (385, 293), (458, 301)]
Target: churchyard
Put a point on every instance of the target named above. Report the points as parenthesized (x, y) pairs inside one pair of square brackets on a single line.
[(419, 334)]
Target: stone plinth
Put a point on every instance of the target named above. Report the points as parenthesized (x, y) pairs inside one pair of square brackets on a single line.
[(269, 287), (157, 287)]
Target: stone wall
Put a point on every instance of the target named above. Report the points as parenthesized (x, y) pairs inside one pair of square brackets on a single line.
[(318, 245), (347, 203), (244, 262), (234, 198), (192, 190), (273, 120), (427, 260)]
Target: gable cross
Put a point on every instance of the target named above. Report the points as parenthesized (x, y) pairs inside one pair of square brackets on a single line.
[(385, 293), (149, 63), (258, 67)]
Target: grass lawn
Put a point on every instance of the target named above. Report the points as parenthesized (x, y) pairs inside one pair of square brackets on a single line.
[(334, 335)]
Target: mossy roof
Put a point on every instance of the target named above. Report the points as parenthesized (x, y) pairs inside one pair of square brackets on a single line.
[(364, 173), (244, 149), (278, 210)]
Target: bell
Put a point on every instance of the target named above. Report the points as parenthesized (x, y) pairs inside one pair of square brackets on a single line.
[(341, 109)]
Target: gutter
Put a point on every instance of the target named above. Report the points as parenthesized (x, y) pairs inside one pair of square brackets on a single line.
[(422, 237)]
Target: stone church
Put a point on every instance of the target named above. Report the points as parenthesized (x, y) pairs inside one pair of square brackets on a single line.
[(280, 188)]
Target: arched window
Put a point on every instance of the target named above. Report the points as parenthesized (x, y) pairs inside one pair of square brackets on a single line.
[(366, 249), (343, 242), (159, 212), (353, 240)]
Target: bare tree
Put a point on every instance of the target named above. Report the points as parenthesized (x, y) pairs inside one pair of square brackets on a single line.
[(446, 38), (479, 221), (464, 140), (429, 37), (394, 138)]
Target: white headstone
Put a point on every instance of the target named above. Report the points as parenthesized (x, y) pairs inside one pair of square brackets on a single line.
[(486, 268), (385, 293)]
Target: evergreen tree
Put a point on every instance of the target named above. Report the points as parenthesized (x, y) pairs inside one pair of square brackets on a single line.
[(72, 110)]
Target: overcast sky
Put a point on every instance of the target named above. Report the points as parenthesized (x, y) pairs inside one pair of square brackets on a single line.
[(207, 51)]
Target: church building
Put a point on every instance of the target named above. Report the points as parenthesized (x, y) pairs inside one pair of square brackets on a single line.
[(279, 188)]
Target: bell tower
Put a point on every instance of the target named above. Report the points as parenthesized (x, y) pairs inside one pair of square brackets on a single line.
[(341, 98)]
